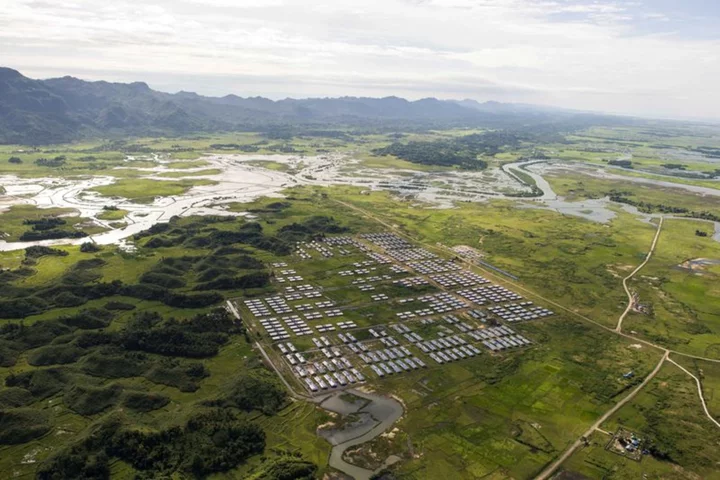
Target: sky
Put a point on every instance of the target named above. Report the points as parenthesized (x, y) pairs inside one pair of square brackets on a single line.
[(640, 57)]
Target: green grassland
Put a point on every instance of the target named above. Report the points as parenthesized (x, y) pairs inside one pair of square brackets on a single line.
[(623, 172), (666, 415), (94, 391), (575, 186), (539, 399), (684, 302), (664, 152), (12, 220), (508, 415), (709, 375), (505, 415), (145, 190), (110, 215), (395, 163), (270, 165)]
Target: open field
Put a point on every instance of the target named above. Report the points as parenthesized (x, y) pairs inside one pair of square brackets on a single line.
[(79, 347), (579, 186), (145, 190), (679, 292), (666, 417), (510, 416), (14, 221)]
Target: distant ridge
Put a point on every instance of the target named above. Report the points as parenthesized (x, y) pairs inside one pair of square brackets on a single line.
[(66, 109)]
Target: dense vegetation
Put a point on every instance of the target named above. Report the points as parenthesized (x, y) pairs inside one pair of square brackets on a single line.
[(149, 346), (105, 360), (257, 389), (461, 152), (621, 163), (649, 207), (212, 441)]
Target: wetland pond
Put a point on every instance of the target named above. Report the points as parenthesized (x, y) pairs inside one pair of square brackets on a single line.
[(363, 416)]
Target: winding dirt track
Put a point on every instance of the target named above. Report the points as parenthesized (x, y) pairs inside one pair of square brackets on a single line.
[(639, 267), (700, 392)]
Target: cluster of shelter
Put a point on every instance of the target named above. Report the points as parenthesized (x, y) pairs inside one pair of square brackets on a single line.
[(288, 275), (460, 279), (489, 294), (332, 372), (499, 338), (340, 355), (516, 312), (410, 254), (427, 267), (299, 292), (411, 282)]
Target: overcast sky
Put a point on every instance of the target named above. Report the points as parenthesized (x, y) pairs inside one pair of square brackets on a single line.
[(648, 57)]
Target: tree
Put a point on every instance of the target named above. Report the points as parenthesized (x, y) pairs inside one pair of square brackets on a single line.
[(89, 247), (15, 160)]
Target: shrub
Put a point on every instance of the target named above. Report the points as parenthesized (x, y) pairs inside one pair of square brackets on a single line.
[(39, 333), (77, 463), (55, 355), (119, 306), (162, 280), (68, 299), (183, 376), (114, 363), (251, 280), (15, 397), (144, 402), (256, 389), (22, 425), (89, 319), (214, 441), (40, 383), (38, 251), (290, 469), (54, 234), (90, 247), (9, 353), (91, 400)]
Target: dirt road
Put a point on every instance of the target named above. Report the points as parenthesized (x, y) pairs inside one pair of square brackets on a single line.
[(625, 280), (556, 464)]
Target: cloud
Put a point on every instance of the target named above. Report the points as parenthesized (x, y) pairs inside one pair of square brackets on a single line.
[(582, 54)]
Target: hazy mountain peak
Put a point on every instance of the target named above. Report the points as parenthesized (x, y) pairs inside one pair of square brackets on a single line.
[(91, 108)]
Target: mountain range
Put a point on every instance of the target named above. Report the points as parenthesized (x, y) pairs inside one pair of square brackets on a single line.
[(66, 109)]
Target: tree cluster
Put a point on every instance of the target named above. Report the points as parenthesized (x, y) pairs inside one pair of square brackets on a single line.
[(462, 152), (621, 163), (210, 442)]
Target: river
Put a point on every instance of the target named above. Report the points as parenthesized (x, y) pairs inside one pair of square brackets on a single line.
[(242, 180), (377, 412)]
